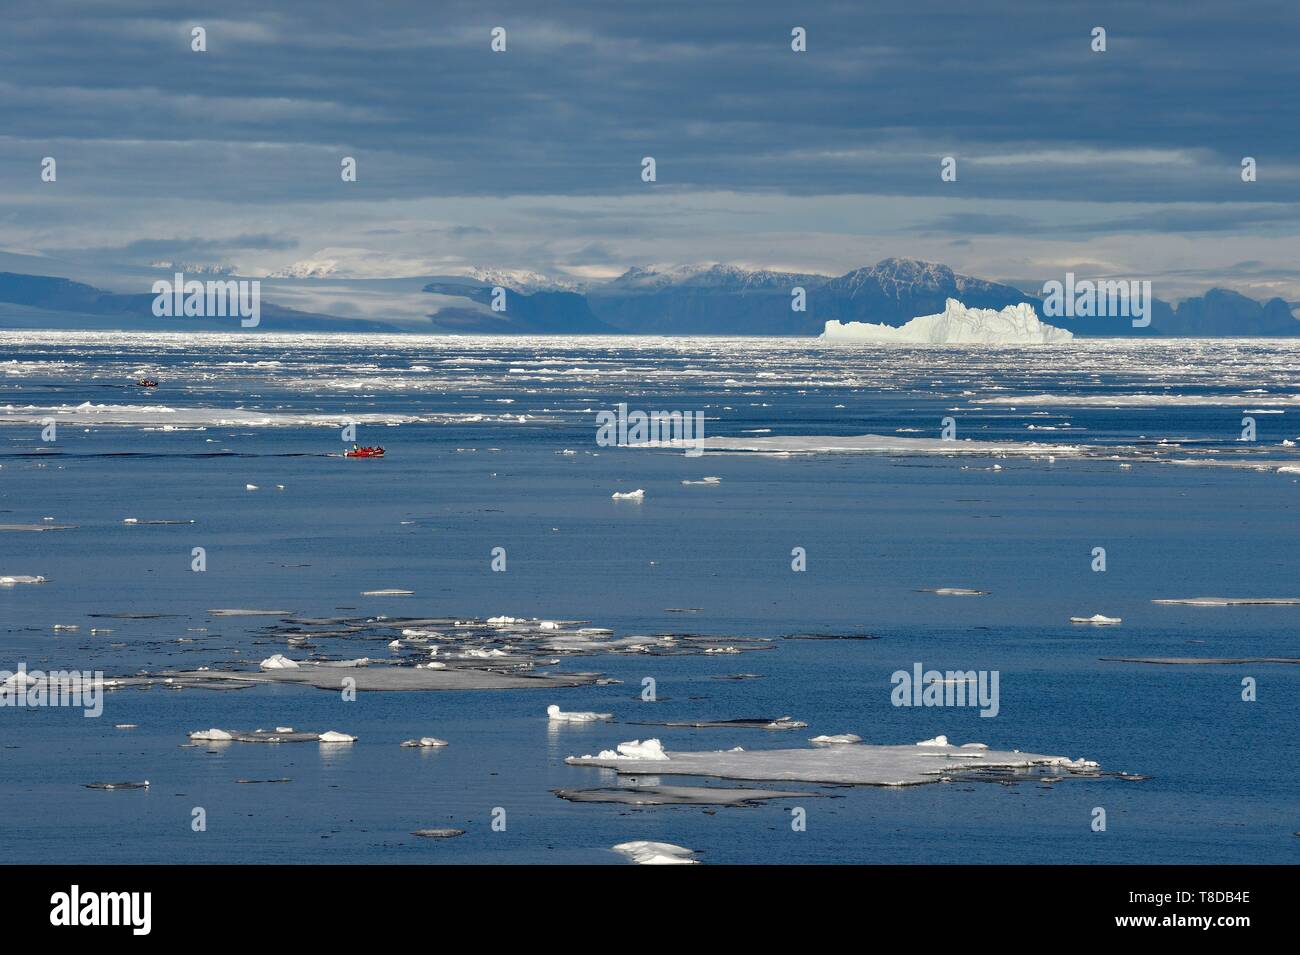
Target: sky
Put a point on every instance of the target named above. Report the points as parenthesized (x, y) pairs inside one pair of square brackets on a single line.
[(1124, 163)]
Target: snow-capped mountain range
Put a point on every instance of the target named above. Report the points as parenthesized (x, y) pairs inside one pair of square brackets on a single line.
[(700, 299)]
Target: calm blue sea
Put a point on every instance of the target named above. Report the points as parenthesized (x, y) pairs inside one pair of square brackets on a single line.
[(475, 429)]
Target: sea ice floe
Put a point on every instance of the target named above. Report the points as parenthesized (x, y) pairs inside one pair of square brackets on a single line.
[(281, 734), (1198, 661), (9, 580), (656, 853), (1232, 601), (867, 444), (373, 678), (706, 482), (861, 764), (637, 495), (838, 738), (759, 723), (140, 785), (213, 734), (678, 795), (557, 715), (426, 742), (391, 592), (438, 833), (953, 592), (1097, 619), (239, 612), (1139, 400)]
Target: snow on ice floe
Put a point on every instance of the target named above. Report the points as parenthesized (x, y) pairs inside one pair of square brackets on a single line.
[(214, 734), (956, 325), (862, 764), (656, 853), (637, 495), (1097, 619), (278, 662), (837, 739), (650, 751), (557, 715), (1231, 601)]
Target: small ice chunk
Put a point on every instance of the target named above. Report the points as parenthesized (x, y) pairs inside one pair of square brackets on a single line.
[(554, 713), (213, 734), (11, 579), (250, 487), (1098, 619), (331, 736), (637, 495), (786, 723), (425, 741), (635, 749), (656, 853), (278, 662)]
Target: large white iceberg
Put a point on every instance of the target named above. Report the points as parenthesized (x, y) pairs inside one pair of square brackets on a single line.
[(956, 325)]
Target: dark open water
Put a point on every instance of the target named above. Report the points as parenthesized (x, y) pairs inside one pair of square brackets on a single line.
[(1220, 784)]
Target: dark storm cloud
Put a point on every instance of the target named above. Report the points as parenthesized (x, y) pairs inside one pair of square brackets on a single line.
[(827, 159), (711, 90)]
